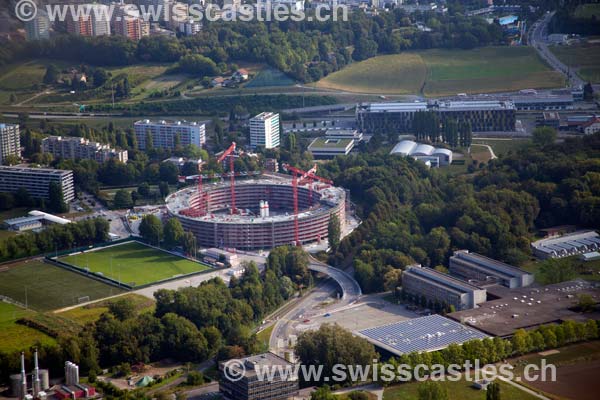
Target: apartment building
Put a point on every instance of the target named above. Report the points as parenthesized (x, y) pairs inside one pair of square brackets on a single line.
[(10, 141), (240, 381), (79, 148), (126, 21), (36, 181), (264, 130), (95, 23), (436, 286), (166, 134), (39, 27), (482, 269)]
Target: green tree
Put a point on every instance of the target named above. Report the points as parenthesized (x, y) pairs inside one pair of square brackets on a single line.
[(144, 189), (195, 378), (544, 136), (56, 201), (173, 233), (51, 75), (188, 242), (163, 188), (122, 199), (122, 309), (151, 229), (493, 392), (323, 393), (432, 391), (334, 231)]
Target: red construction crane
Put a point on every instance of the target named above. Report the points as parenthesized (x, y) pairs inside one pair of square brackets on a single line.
[(230, 152), (305, 177)]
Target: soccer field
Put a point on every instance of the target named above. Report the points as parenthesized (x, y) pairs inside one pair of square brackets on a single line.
[(133, 263), (47, 287)]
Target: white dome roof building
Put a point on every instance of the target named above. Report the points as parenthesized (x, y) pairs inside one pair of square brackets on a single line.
[(432, 156)]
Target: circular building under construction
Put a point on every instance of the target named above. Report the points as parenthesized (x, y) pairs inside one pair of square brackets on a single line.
[(262, 216)]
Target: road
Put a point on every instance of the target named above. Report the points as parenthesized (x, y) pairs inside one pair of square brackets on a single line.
[(538, 38), (313, 304)]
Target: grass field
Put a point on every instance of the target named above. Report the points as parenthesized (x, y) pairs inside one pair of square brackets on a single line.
[(584, 58), (46, 287), (90, 313), (134, 264), (585, 270), (503, 146), (270, 77), (447, 72), (586, 11), (14, 337), (460, 390)]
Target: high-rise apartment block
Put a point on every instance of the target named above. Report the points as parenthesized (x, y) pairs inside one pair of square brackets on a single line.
[(10, 141), (264, 130), (167, 134)]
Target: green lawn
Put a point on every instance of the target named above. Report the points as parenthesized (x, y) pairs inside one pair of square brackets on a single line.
[(460, 390), (134, 263), (442, 72), (584, 58), (14, 337), (270, 77), (46, 287), (90, 313), (503, 146)]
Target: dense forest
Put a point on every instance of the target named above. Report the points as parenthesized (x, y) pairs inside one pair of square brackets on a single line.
[(566, 20), (411, 214), (306, 50)]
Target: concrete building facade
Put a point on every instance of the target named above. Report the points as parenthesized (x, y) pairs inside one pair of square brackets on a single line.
[(476, 267), (240, 380), (10, 141), (36, 181), (39, 27), (264, 130), (164, 134), (76, 148), (436, 286)]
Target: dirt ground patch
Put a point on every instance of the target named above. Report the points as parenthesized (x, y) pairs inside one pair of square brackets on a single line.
[(578, 381)]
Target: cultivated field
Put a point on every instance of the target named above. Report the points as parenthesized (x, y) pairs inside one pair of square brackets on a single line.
[(447, 72), (14, 337), (391, 74), (134, 263), (584, 58), (46, 287)]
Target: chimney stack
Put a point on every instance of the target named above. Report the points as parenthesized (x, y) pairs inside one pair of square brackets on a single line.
[(23, 377), (37, 387)]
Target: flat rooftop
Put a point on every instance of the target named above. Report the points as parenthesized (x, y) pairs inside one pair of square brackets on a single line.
[(483, 262), (527, 308), (328, 143), (429, 333), (260, 360), (448, 282), (28, 170), (167, 122)]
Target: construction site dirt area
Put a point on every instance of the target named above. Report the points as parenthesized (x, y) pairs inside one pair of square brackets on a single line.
[(578, 381)]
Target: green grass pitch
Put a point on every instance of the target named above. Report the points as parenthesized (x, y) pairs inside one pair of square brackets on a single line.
[(134, 263), (47, 287)]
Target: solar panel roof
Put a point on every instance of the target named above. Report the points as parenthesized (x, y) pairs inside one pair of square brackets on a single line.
[(429, 333)]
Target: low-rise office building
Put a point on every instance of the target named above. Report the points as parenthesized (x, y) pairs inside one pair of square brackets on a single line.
[(36, 181), (485, 270), (443, 288), (325, 147), (240, 381), (76, 148), (344, 134)]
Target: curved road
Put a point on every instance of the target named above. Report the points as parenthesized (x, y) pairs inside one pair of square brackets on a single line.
[(537, 38), (311, 305)]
